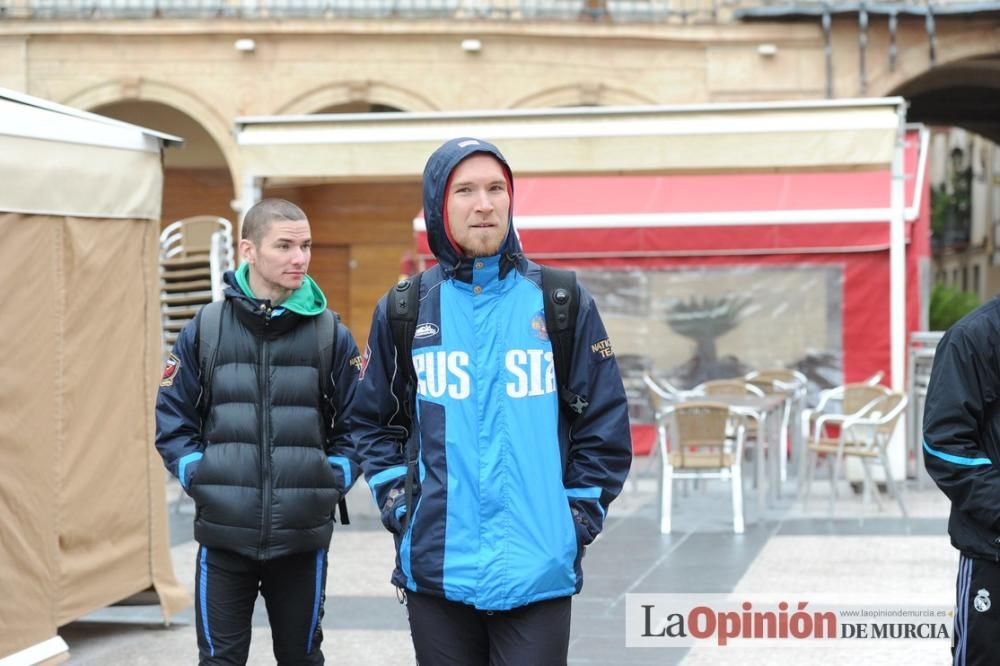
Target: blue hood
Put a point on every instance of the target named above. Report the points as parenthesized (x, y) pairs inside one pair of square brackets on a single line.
[(439, 167)]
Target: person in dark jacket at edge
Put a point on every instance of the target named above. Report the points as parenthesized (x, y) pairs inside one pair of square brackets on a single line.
[(962, 454), (262, 445), (508, 493)]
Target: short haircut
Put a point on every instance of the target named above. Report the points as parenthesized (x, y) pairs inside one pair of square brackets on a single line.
[(260, 216)]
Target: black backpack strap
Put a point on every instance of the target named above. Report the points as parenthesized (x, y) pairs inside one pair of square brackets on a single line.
[(327, 330), (209, 327), (562, 304), (403, 307)]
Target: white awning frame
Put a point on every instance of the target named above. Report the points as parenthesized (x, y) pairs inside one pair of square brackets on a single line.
[(56, 160), (854, 134), (101, 138)]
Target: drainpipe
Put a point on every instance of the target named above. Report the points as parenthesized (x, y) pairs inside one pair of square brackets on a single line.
[(893, 25), (931, 34), (828, 50), (862, 46)]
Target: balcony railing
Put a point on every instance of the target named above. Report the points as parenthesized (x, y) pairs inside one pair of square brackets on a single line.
[(670, 11)]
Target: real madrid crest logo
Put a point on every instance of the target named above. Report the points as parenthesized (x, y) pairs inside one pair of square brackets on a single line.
[(982, 601)]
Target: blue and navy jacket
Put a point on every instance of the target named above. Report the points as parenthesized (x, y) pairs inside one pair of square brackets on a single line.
[(508, 491), (962, 430)]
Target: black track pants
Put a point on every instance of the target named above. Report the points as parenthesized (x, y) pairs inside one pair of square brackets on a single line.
[(977, 613), (448, 633), (226, 586)]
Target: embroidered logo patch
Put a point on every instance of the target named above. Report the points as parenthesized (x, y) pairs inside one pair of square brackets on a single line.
[(364, 362), (426, 331), (602, 349), (982, 601), (170, 370), (538, 325), (356, 363)]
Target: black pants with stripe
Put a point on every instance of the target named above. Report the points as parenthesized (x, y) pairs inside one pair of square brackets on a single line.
[(449, 633), (226, 587), (977, 613)]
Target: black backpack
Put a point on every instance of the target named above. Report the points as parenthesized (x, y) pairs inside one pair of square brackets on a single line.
[(561, 299), (210, 330)]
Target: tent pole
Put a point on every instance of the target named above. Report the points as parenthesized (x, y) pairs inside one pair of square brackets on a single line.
[(897, 258)]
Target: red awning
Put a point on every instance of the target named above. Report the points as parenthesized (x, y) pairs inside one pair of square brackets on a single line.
[(769, 219), (709, 214)]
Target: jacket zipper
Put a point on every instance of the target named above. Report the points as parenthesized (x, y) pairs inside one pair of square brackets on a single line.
[(265, 442)]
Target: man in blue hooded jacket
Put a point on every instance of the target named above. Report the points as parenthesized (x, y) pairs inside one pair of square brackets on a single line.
[(510, 488)]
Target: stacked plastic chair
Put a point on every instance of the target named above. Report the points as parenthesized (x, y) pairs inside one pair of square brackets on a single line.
[(194, 254)]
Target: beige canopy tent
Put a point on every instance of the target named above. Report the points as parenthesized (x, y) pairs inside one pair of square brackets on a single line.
[(764, 136), (82, 490)]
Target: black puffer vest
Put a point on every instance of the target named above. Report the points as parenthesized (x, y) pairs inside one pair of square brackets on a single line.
[(264, 488)]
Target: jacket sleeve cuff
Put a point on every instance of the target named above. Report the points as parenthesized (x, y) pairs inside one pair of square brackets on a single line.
[(186, 468)]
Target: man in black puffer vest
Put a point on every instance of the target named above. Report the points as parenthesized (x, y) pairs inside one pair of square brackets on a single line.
[(260, 441)]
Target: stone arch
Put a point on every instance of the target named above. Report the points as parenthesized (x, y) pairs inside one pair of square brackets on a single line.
[(140, 89), (581, 94), (345, 92), (951, 48), (962, 89)]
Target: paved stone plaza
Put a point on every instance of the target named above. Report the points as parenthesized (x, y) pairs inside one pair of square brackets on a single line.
[(866, 553)]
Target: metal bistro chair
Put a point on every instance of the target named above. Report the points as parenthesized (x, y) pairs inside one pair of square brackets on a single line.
[(787, 393), (660, 395), (786, 375), (664, 391), (852, 398), (865, 436), (835, 406), (693, 445), (728, 387), (657, 399), (795, 386), (753, 433), (194, 254)]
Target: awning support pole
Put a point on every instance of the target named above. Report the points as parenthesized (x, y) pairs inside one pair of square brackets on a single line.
[(897, 258)]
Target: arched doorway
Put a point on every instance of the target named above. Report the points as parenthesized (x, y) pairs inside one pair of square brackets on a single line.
[(961, 100), (197, 179), (964, 93)]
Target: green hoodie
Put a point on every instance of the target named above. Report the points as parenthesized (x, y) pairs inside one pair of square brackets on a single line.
[(308, 300)]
